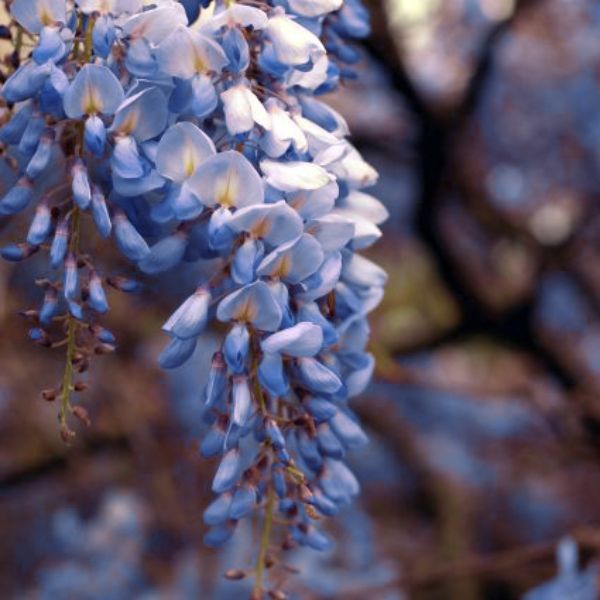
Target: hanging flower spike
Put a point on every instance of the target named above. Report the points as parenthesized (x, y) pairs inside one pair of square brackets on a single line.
[(209, 143)]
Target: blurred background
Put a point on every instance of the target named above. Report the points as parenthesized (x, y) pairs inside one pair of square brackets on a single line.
[(483, 118)]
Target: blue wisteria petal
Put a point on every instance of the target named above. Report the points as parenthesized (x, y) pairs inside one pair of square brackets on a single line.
[(295, 175), (294, 261), (143, 115), (271, 374), (303, 339), (228, 472), (40, 225), (217, 511), (156, 24), (243, 110), (129, 241), (243, 267), (34, 15), (181, 150), (26, 81), (51, 46), (17, 198), (227, 179), (186, 52), (252, 304), (164, 255), (294, 45), (238, 14), (95, 135), (177, 352), (275, 223), (314, 8), (110, 7), (190, 318), (80, 185), (318, 377), (241, 399), (236, 49), (95, 90), (236, 349)]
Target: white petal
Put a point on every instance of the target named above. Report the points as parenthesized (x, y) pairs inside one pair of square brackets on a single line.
[(295, 175)]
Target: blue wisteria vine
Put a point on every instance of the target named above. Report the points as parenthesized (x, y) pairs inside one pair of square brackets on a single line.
[(193, 132)]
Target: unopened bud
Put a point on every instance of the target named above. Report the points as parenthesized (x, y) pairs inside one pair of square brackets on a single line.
[(270, 561), (80, 386), (49, 395), (288, 543), (101, 349), (311, 512), (304, 493), (235, 574), (31, 315), (82, 366), (66, 434), (82, 414)]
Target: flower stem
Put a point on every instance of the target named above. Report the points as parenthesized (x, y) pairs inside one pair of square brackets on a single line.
[(67, 383), (265, 541)]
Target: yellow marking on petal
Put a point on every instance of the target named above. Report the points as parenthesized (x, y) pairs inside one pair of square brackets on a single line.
[(189, 160), (46, 18), (299, 201), (130, 123), (200, 65), (227, 190), (261, 228), (92, 103), (283, 267), (246, 313)]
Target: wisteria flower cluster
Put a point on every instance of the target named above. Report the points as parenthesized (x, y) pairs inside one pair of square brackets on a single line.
[(194, 132)]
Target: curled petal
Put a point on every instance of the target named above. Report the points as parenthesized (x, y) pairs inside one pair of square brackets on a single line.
[(318, 377), (164, 255), (190, 318), (228, 472), (243, 109), (303, 339), (156, 24), (295, 175), (294, 45), (177, 352), (238, 14)]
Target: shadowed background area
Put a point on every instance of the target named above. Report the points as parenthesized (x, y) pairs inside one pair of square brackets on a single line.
[(483, 119)]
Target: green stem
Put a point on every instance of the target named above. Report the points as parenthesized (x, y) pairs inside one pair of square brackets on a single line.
[(67, 383), (88, 43), (265, 541)]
